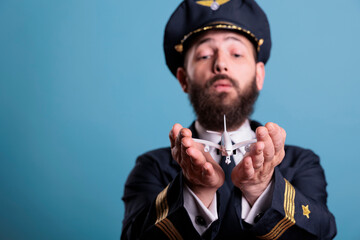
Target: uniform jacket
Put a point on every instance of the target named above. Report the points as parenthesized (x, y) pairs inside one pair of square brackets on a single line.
[(154, 207)]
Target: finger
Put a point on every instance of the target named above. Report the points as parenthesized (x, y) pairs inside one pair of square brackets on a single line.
[(276, 136), (184, 142), (242, 171), (202, 172), (177, 135), (257, 155), (186, 138), (256, 148), (183, 132), (212, 176), (208, 169), (174, 133), (283, 133), (262, 135), (248, 169), (197, 159)]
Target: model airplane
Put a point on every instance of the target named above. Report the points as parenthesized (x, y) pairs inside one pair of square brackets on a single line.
[(226, 148)]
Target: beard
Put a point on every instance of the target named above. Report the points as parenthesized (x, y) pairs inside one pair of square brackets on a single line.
[(210, 107)]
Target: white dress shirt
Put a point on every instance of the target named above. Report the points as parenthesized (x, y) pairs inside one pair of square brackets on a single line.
[(193, 204)]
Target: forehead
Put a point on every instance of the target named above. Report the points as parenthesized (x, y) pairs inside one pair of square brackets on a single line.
[(218, 37)]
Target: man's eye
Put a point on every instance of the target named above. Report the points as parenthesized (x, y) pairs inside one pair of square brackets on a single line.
[(237, 55), (204, 57)]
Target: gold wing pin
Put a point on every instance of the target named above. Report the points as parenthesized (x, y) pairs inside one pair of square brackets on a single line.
[(213, 4)]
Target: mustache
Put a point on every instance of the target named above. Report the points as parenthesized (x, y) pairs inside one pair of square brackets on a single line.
[(210, 82)]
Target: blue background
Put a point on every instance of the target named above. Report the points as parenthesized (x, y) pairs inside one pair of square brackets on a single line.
[(84, 89)]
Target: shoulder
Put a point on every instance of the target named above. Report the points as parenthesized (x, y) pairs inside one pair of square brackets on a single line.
[(156, 167), (299, 161), (158, 160), (296, 154)]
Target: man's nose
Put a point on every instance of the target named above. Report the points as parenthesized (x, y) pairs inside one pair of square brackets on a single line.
[(220, 65)]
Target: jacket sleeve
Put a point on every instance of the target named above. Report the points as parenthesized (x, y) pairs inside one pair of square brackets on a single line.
[(153, 198), (298, 209)]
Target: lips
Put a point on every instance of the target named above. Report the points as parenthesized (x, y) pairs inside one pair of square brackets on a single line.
[(222, 85)]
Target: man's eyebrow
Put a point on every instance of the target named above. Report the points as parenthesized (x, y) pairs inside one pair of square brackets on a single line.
[(209, 39), (235, 38), (204, 40)]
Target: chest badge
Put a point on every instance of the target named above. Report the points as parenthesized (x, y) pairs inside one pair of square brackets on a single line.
[(213, 4), (306, 210)]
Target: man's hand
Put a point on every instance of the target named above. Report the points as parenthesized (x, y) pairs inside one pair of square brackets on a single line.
[(253, 174), (202, 174)]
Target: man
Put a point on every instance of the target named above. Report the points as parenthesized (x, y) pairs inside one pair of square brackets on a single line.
[(217, 50)]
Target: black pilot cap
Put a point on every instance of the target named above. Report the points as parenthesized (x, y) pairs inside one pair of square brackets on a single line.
[(195, 16)]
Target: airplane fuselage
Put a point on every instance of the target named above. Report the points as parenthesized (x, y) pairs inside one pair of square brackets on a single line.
[(226, 147), (226, 144)]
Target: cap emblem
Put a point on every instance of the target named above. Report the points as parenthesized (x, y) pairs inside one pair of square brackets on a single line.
[(213, 4)]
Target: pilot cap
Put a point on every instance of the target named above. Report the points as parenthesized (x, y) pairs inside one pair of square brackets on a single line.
[(196, 16)]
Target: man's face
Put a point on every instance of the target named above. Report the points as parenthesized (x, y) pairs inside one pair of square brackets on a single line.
[(221, 77)]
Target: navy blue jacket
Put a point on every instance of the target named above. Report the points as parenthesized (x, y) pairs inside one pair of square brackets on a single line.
[(154, 207)]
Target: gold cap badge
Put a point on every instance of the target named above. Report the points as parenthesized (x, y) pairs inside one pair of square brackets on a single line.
[(213, 4)]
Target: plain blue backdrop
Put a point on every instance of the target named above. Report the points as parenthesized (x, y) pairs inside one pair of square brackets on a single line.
[(84, 89)]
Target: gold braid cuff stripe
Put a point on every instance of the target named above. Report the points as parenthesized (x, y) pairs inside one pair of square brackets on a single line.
[(162, 208), (169, 229), (180, 47), (288, 220)]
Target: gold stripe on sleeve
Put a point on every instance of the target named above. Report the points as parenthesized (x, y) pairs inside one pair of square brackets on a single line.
[(169, 229), (163, 228), (162, 208), (289, 209)]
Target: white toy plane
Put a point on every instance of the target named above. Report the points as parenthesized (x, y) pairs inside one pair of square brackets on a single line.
[(226, 148)]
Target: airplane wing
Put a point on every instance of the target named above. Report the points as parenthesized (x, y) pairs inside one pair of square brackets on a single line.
[(244, 143), (207, 143), (213, 132)]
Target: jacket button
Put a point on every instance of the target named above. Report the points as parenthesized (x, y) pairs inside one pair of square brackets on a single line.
[(200, 221), (258, 217)]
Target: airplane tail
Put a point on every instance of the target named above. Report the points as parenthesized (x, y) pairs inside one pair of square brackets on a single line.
[(219, 133)]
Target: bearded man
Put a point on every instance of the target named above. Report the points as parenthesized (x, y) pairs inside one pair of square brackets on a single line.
[(217, 50)]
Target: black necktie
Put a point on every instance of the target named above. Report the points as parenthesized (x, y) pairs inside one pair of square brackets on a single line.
[(227, 169)]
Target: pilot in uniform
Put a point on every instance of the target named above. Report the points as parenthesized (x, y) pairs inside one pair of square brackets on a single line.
[(158, 202)]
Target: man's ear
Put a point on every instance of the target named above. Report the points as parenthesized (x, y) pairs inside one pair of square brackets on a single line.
[(182, 78), (260, 75)]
